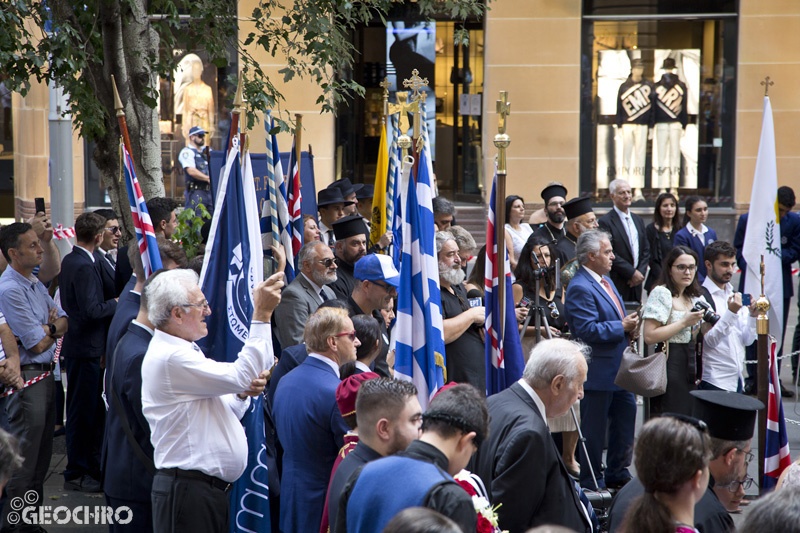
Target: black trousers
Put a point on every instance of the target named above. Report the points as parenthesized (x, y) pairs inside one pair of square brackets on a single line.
[(182, 504), (141, 514), (85, 417)]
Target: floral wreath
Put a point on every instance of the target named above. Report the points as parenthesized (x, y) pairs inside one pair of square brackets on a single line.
[(487, 515)]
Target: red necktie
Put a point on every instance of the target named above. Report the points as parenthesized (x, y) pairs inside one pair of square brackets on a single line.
[(614, 298)]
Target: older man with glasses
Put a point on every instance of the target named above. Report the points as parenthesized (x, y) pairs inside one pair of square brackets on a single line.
[(306, 293), (194, 404), (309, 425)]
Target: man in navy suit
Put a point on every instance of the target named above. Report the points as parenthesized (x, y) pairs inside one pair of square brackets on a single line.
[(310, 426), (631, 249), (596, 317), (106, 252), (127, 479), (89, 314)]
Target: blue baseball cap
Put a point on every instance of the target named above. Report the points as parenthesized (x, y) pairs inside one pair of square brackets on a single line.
[(376, 267), (197, 130)]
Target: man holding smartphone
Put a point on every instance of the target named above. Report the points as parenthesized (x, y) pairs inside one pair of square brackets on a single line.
[(724, 341)]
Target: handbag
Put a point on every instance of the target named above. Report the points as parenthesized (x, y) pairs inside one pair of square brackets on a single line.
[(643, 375)]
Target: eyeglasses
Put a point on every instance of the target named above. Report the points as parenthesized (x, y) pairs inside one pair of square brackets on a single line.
[(733, 486), (351, 334), (204, 305), (329, 262), (685, 268), (386, 287), (114, 229), (748, 456)]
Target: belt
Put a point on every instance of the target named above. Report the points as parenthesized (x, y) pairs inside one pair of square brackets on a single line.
[(198, 186), (42, 367), (215, 482)]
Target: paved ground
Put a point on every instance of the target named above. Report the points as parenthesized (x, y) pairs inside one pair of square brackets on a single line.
[(55, 495)]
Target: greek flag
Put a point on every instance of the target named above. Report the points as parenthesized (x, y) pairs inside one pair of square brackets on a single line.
[(418, 332), (504, 358), (776, 449), (276, 217), (231, 269), (142, 223)]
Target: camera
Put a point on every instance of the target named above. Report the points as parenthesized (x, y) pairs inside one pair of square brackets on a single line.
[(708, 315)]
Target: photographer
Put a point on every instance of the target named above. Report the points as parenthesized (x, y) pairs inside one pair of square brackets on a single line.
[(724, 341), (668, 317)]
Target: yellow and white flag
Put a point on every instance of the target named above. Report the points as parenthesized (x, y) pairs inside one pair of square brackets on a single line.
[(378, 223), (763, 234)]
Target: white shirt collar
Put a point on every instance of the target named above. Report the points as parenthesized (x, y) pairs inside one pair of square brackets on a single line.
[(538, 401), (134, 321), (622, 215), (595, 276), (327, 360), (311, 281), (361, 366), (91, 256), (703, 229), (713, 288)]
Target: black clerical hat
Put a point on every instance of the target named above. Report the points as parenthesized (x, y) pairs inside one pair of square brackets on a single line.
[(349, 226), (364, 192), (555, 189), (729, 415), (343, 185), (331, 195), (577, 207)]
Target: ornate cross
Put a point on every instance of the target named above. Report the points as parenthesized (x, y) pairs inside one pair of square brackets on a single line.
[(415, 84), (503, 109), (766, 83), (404, 108)]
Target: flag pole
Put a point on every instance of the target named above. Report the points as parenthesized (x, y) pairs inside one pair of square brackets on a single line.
[(298, 146), (237, 110), (123, 123), (501, 141), (762, 350)]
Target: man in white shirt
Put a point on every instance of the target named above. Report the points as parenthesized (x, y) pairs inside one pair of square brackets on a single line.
[(193, 404), (724, 342)]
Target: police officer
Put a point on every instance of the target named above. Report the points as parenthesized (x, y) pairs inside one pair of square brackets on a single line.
[(195, 171)]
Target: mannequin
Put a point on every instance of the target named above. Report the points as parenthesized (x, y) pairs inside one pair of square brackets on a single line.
[(198, 103), (634, 119), (670, 119)]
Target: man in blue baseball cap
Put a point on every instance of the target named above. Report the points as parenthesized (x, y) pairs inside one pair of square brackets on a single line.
[(376, 283), (195, 171)]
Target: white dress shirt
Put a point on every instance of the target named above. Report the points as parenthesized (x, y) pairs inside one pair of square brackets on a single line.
[(328, 361), (699, 234), (633, 234), (361, 366), (723, 345), (191, 405), (538, 401), (324, 235), (87, 252)]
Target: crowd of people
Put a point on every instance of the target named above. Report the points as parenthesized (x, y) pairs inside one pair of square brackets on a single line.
[(154, 424)]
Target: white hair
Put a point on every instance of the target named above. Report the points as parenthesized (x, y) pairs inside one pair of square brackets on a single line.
[(169, 289), (612, 187), (551, 358), (441, 238), (589, 243)]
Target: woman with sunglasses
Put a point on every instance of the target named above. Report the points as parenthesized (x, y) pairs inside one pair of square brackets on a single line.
[(668, 317), (671, 457), (537, 252)]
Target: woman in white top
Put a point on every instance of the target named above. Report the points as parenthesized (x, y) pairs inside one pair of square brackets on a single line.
[(517, 232)]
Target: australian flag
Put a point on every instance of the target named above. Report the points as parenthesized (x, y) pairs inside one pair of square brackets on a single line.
[(232, 267), (142, 223), (776, 449), (418, 331), (504, 358)]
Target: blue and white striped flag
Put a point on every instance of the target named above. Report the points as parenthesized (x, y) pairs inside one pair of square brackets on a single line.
[(275, 178), (418, 332), (231, 269)]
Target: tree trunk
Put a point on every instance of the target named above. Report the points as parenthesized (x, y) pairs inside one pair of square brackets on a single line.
[(128, 42)]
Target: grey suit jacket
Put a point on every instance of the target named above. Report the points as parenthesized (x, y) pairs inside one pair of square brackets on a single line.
[(298, 301)]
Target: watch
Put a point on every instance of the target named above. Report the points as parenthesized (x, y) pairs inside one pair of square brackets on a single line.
[(52, 329)]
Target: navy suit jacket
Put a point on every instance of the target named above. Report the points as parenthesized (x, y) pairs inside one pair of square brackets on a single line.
[(107, 273), (623, 268), (790, 249), (124, 476), (594, 319), (127, 309), (311, 430), (124, 270), (89, 312), (684, 238), (290, 359)]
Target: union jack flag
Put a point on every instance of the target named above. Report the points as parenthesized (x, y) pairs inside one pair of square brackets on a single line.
[(504, 360), (776, 449), (295, 202), (142, 223)]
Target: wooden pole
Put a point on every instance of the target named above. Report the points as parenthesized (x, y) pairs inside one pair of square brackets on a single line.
[(762, 350), (123, 124), (298, 146), (237, 110)]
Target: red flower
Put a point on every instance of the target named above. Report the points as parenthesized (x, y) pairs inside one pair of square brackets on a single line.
[(467, 486), (484, 526)]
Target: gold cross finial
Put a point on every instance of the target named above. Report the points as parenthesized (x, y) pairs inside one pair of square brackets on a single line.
[(415, 84), (503, 109), (385, 84), (766, 83)]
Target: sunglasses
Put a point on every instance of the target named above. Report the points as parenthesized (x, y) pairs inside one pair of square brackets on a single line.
[(326, 262), (387, 288), (114, 229)]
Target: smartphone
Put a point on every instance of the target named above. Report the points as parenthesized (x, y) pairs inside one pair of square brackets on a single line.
[(747, 299), (39, 203), (524, 302)]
